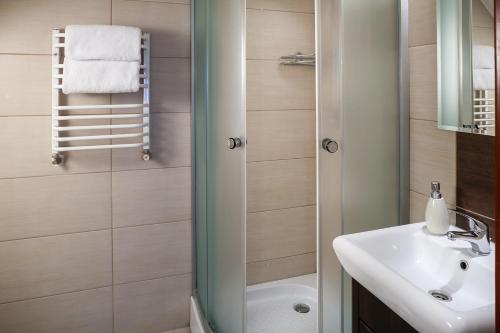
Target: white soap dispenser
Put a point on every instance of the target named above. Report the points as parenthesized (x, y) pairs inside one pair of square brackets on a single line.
[(436, 212)]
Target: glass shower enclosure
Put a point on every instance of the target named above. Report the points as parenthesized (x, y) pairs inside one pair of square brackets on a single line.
[(220, 161), (361, 104)]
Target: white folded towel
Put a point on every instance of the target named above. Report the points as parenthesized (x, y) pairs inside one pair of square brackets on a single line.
[(483, 79), (102, 42), (101, 59), (100, 76), (483, 57)]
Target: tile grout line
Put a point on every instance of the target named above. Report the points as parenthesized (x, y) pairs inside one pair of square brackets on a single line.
[(281, 110), (282, 159), (55, 295), (162, 2), (268, 59), (55, 235), (151, 224), (279, 11), (96, 288), (93, 173), (275, 60), (427, 195), (422, 45), (110, 228), (426, 120), (278, 258), (282, 208), (154, 278)]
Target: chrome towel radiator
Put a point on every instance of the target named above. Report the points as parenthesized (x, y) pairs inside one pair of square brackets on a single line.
[(61, 140)]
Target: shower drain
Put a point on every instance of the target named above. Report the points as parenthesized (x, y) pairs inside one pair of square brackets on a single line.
[(440, 295), (301, 308)]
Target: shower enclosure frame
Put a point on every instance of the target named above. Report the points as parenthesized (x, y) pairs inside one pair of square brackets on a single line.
[(328, 34)]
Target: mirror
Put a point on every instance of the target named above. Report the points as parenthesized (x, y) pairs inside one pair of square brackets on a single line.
[(466, 66)]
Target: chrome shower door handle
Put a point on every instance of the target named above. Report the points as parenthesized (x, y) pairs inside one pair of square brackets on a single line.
[(233, 143), (330, 145)]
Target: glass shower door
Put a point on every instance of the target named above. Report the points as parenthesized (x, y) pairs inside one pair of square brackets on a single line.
[(358, 108), (220, 161)]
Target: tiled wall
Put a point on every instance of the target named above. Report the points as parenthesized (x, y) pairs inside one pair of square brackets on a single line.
[(432, 151), (103, 243), (281, 228)]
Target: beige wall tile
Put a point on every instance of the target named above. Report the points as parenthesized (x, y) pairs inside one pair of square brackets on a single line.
[(29, 75), (25, 143), (281, 184), (276, 135), (418, 203), (56, 264), (422, 22), (25, 75), (43, 206), (152, 306), (87, 311), (170, 144), (169, 24), (170, 87), (271, 86), (152, 251), (151, 196), (281, 233), (423, 82), (276, 269), (432, 157), (272, 34), (27, 25), (305, 6)]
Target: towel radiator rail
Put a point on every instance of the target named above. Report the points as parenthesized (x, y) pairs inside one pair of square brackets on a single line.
[(483, 110), (58, 126)]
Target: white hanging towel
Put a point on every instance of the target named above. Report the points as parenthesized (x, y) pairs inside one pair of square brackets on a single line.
[(101, 59), (483, 57), (100, 76), (483, 79), (102, 42)]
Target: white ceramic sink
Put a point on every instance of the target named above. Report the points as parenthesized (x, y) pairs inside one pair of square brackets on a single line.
[(400, 265)]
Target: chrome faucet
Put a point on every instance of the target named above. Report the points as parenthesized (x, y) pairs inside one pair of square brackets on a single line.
[(477, 236)]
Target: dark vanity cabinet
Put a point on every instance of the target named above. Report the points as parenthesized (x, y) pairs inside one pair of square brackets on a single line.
[(370, 315)]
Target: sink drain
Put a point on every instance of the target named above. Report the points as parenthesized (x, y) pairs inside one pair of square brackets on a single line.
[(464, 265), (301, 308), (440, 295)]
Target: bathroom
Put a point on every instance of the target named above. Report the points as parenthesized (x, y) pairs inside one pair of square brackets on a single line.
[(269, 171)]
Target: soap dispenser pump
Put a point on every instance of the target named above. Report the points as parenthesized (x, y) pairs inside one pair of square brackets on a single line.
[(436, 212)]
